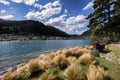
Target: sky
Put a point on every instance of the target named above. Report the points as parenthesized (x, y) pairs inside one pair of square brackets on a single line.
[(66, 15)]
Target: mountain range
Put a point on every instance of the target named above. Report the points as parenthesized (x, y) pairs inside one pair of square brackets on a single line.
[(28, 27)]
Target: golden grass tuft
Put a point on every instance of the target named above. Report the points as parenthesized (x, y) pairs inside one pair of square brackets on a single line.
[(47, 76), (33, 66), (9, 76), (42, 56), (52, 55), (21, 69), (71, 60), (74, 72), (86, 59), (61, 61), (96, 73), (75, 52)]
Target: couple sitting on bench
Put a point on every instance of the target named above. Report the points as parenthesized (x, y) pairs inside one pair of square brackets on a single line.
[(99, 46)]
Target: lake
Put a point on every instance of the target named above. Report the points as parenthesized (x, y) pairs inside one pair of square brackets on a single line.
[(13, 53)]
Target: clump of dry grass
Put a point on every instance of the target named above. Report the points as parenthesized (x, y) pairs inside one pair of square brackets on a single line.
[(74, 72), (43, 57), (74, 64), (52, 55), (34, 66), (71, 60), (21, 69), (9, 76), (61, 61), (15, 76), (86, 59), (96, 73), (51, 74), (75, 52)]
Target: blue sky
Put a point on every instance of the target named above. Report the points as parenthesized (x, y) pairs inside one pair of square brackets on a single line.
[(67, 15)]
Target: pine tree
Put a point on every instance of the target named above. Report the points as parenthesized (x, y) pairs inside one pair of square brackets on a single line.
[(103, 19)]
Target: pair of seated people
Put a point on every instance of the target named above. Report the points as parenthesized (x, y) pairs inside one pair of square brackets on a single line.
[(99, 46)]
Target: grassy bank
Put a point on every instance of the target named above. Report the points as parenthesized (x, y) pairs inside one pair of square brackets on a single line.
[(70, 64), (110, 59)]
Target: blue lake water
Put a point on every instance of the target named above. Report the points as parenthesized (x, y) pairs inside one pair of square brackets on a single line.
[(13, 53)]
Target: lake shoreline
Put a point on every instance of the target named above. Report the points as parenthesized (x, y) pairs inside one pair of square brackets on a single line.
[(8, 37)]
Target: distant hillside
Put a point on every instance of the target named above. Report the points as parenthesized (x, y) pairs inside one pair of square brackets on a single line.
[(85, 34), (1, 20), (28, 27)]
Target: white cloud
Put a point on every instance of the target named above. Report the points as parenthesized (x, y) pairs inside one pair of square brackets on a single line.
[(7, 17), (44, 14), (36, 5), (70, 24), (17, 1), (88, 6), (30, 2), (5, 2), (47, 11), (2, 11), (27, 2), (76, 19), (51, 5), (65, 11)]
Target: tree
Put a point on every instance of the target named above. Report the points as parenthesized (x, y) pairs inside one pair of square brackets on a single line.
[(103, 22)]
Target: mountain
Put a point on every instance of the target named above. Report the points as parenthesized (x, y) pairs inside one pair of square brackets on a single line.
[(28, 27), (85, 34), (1, 20)]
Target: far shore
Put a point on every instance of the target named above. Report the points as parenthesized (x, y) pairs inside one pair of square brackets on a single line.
[(8, 37)]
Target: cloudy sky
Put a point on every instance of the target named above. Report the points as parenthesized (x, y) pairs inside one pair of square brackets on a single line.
[(67, 15)]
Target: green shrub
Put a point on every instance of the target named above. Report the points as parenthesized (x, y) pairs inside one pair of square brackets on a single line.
[(52, 74), (54, 70), (22, 76), (95, 53), (74, 72)]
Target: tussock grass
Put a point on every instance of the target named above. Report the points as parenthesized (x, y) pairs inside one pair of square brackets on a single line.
[(34, 67), (75, 52), (61, 61), (96, 73), (68, 64), (52, 74), (22, 76), (52, 55), (74, 72), (71, 60), (86, 59), (9, 76), (21, 69)]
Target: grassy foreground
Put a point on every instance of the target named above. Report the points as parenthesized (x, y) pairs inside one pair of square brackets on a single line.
[(71, 64), (111, 61)]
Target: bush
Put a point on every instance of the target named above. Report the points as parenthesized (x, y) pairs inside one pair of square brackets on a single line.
[(95, 53), (74, 72), (86, 59), (9, 76), (52, 74), (33, 66), (22, 76), (96, 73), (61, 61), (54, 70)]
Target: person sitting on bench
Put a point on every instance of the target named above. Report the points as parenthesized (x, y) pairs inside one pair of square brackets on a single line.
[(99, 46)]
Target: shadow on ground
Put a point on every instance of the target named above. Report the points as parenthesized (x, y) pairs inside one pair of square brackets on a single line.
[(105, 51)]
